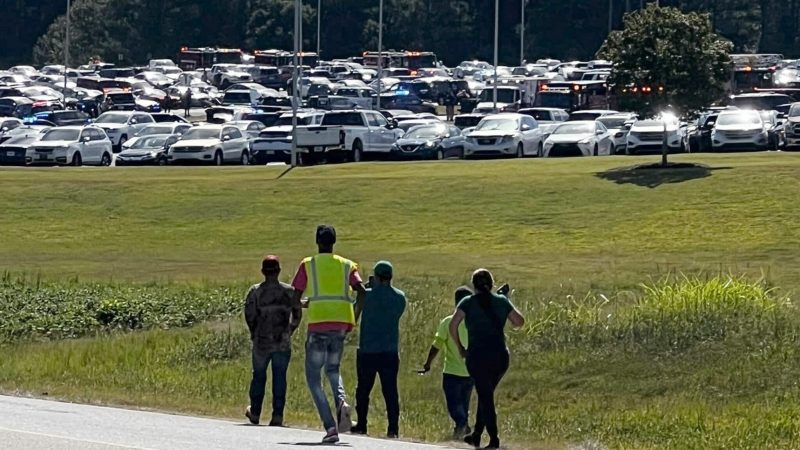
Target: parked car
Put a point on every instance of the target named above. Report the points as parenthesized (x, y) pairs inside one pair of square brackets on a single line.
[(774, 127), (349, 134), (361, 96), (178, 129), (471, 120), (168, 118), (409, 102), (739, 130), (507, 134), (791, 130), (120, 125), (274, 143), (15, 106), (7, 124), (647, 136), (211, 144), (146, 150), (64, 117), (436, 141), (24, 130), (579, 138), (698, 135), (73, 145), (590, 114), (619, 125), (14, 149)]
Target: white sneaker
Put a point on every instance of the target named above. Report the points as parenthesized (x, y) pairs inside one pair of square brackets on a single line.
[(344, 418)]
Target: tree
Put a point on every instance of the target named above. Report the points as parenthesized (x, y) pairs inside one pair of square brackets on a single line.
[(665, 57)]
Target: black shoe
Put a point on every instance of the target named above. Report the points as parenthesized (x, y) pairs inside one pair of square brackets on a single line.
[(253, 419), (391, 435), (358, 429), (493, 444), (276, 421), (473, 440)]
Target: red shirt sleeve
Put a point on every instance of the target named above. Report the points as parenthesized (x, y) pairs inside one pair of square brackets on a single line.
[(355, 277), (300, 281)]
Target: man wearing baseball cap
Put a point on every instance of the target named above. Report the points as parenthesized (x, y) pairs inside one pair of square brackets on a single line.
[(332, 285), (378, 352), (272, 313)]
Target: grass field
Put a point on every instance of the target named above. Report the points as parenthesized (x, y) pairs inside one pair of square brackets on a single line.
[(603, 362)]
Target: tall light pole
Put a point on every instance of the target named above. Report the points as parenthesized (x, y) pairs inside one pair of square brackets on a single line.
[(319, 22), (66, 52), (380, 50), (522, 33), (496, 33), (610, 15), (295, 77)]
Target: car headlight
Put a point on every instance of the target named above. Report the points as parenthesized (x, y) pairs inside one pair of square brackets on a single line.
[(585, 141), (430, 144), (507, 139)]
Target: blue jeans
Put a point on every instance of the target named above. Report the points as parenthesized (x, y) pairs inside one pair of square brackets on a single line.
[(324, 350), (280, 363), (457, 393)]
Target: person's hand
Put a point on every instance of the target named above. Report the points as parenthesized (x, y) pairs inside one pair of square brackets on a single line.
[(425, 369), (463, 352)]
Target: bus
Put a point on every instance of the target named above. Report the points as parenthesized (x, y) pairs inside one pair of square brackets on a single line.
[(574, 95), (752, 71), (205, 57)]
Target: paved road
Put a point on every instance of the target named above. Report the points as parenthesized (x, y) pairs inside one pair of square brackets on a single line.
[(28, 424)]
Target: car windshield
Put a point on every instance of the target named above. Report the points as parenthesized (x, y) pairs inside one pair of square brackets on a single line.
[(575, 128), (739, 119), (121, 98), (61, 135), (201, 133), (497, 125), (112, 118), (150, 142), (613, 122), (424, 133), (146, 131), (583, 116), (287, 121)]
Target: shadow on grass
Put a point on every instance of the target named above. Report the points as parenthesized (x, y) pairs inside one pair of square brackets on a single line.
[(654, 175)]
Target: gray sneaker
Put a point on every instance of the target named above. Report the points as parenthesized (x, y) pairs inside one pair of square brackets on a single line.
[(332, 437)]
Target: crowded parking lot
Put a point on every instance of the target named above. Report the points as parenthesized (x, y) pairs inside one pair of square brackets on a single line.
[(226, 106)]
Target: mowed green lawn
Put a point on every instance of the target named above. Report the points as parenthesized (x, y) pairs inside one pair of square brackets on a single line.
[(708, 366), (538, 223)]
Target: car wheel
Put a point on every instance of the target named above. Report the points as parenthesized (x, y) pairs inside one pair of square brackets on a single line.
[(105, 160), (218, 160), (440, 154), (77, 160), (596, 151), (358, 151), (520, 150), (540, 150), (162, 161), (245, 160), (122, 140)]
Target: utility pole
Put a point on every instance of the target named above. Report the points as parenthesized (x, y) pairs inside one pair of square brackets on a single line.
[(66, 52), (319, 23), (380, 51), (522, 33), (610, 15), (496, 33), (296, 77)]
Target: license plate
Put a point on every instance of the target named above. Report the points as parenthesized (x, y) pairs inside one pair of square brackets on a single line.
[(11, 153), (270, 152)]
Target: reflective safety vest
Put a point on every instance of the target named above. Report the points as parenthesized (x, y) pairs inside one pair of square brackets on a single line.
[(330, 297)]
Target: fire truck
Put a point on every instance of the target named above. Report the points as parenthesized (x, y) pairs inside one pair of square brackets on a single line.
[(205, 57)]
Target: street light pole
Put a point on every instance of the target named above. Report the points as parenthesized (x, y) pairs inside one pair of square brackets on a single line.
[(295, 77), (522, 33), (380, 51), (496, 31), (610, 15), (66, 52)]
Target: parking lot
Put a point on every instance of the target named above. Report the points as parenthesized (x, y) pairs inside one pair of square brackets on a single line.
[(388, 106)]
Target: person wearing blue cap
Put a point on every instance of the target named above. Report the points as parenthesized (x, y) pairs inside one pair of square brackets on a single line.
[(378, 353)]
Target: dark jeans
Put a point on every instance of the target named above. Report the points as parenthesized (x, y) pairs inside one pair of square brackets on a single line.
[(487, 369), (385, 365), (457, 392), (280, 363)]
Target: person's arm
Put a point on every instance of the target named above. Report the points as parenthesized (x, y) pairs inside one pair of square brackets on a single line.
[(297, 311), (458, 317), (515, 317), (361, 296), (299, 285), (250, 312), (432, 353)]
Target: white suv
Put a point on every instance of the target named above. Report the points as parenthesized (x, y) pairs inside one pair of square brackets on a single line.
[(739, 130), (647, 136), (121, 125), (505, 135), (212, 144), (74, 145)]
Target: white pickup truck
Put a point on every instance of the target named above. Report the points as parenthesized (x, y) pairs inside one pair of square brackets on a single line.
[(349, 134)]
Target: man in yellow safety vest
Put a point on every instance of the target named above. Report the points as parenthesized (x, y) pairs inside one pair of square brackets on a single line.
[(332, 285)]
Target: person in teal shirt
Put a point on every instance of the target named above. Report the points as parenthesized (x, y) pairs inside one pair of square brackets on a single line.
[(378, 352), (456, 382), (485, 314)]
